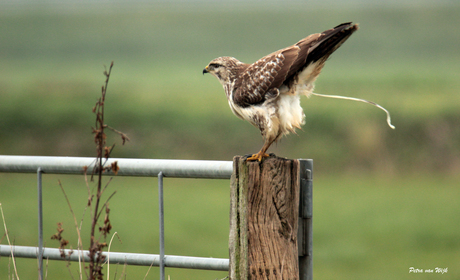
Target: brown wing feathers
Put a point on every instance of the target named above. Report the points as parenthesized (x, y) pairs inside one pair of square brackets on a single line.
[(270, 72), (320, 46), (331, 40), (263, 77)]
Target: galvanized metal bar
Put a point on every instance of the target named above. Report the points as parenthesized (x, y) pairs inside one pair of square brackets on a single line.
[(305, 230), (162, 225), (128, 167), (120, 258), (40, 224)]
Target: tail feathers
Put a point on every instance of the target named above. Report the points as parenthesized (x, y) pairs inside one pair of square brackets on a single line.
[(313, 52), (330, 41)]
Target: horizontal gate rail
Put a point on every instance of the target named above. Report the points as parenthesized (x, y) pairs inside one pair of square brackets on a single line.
[(127, 167), (119, 258), (209, 169)]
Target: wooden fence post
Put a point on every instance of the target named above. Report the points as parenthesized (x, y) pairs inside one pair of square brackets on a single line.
[(264, 211)]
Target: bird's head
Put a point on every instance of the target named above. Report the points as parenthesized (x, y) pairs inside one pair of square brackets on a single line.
[(223, 68)]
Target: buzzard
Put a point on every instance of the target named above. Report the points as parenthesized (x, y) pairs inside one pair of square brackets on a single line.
[(267, 92)]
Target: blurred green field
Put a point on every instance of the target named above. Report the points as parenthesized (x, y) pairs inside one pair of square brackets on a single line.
[(366, 228), (384, 200), (405, 59)]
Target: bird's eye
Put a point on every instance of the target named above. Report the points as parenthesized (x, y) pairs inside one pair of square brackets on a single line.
[(215, 65)]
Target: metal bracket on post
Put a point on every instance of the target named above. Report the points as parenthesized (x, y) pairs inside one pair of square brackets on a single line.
[(305, 229)]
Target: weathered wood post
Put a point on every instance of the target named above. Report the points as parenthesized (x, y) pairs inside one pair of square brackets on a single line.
[(264, 219)]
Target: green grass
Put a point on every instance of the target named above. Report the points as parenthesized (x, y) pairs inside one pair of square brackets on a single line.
[(376, 228), (371, 227), (196, 219)]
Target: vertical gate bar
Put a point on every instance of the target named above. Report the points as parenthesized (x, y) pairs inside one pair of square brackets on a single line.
[(40, 224), (305, 233), (162, 229)]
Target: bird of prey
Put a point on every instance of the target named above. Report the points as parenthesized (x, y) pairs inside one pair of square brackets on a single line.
[(267, 92)]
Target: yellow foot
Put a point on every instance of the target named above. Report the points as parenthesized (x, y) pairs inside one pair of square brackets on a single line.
[(259, 156)]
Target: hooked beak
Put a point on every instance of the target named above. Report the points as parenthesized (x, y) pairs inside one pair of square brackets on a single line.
[(205, 70)]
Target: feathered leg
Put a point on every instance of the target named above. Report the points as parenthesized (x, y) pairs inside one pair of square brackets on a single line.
[(262, 153)]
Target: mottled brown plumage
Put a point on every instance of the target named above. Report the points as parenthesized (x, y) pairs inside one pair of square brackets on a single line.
[(267, 92)]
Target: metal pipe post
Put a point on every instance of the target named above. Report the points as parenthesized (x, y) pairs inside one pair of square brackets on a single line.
[(162, 229), (305, 230), (40, 224)]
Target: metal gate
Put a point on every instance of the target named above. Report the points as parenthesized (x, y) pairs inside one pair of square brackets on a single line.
[(150, 168)]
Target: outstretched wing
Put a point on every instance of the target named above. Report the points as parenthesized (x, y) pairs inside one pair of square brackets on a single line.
[(261, 80), (318, 47)]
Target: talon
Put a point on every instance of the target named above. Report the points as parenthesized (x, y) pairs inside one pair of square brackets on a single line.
[(245, 157), (259, 156)]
